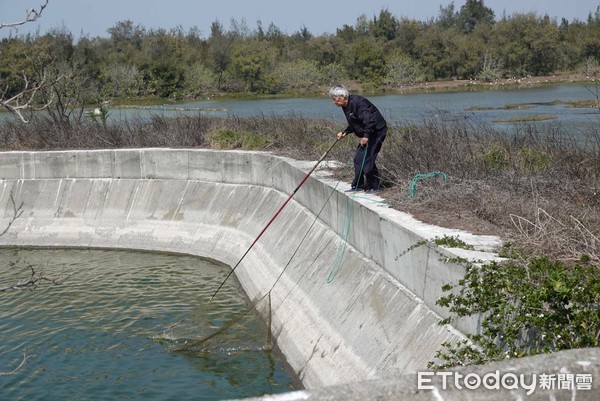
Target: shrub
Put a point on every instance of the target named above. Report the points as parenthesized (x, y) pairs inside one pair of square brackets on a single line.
[(496, 157), (224, 138), (529, 308), (533, 160)]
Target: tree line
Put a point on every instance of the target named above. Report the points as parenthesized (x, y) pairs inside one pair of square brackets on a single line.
[(381, 52)]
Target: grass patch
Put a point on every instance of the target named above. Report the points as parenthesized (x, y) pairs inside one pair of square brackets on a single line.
[(480, 108), (523, 119), (505, 107), (584, 104), (224, 138), (517, 106)]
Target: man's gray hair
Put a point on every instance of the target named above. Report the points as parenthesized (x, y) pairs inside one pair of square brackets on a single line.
[(338, 90)]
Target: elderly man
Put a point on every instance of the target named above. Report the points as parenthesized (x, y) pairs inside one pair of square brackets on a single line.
[(367, 123)]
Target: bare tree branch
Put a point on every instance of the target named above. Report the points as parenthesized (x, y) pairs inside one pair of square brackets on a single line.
[(33, 281), (23, 100), (31, 16), (17, 211), (36, 278), (25, 358)]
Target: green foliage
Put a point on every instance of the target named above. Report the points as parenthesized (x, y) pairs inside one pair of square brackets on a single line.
[(496, 157), (385, 26), (533, 160), (119, 80), (377, 52), (165, 79), (402, 70), (452, 241), (13, 63), (472, 13), (199, 81), (232, 139), (249, 63), (368, 62), (528, 44), (526, 309), (302, 76), (509, 251)]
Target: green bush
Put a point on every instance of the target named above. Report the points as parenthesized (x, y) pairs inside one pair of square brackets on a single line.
[(539, 307), (452, 241), (533, 160), (231, 139), (496, 157)]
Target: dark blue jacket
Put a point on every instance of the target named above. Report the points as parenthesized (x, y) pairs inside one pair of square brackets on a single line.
[(364, 119)]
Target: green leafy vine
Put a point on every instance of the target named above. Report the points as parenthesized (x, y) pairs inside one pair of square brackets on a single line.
[(528, 308)]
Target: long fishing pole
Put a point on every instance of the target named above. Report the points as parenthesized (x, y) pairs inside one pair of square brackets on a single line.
[(275, 216)]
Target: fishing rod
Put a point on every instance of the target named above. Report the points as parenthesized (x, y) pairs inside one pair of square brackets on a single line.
[(197, 343), (275, 216)]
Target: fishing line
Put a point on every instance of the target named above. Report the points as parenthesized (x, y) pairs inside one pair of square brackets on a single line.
[(275, 216), (231, 323), (197, 343), (412, 190), (346, 224), (342, 247), (345, 232)]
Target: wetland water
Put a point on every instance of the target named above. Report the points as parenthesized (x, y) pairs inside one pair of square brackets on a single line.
[(487, 106), (111, 329), (481, 106)]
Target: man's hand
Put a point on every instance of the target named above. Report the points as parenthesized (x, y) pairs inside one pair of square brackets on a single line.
[(340, 135), (364, 141)]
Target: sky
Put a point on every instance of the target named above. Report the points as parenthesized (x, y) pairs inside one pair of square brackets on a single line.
[(93, 18)]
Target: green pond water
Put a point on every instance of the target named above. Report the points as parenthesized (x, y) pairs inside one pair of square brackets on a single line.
[(119, 327)]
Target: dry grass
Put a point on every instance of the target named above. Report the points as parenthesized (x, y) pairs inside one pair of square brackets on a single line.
[(538, 188)]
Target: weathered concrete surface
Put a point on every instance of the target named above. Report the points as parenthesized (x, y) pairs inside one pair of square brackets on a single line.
[(377, 318)]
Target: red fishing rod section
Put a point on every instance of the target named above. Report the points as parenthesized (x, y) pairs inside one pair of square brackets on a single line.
[(275, 216)]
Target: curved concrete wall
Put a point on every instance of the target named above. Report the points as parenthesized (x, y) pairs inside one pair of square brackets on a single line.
[(376, 318)]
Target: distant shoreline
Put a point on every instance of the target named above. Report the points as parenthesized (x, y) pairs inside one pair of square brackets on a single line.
[(456, 85)]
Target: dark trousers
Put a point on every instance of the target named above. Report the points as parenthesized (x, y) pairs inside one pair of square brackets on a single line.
[(368, 170)]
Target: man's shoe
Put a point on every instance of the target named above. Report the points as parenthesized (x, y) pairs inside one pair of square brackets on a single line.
[(353, 189), (374, 191)]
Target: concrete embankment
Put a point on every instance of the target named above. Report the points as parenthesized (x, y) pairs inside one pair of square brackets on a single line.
[(377, 317)]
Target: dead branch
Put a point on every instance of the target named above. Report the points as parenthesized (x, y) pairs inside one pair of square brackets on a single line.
[(589, 241), (523, 225), (24, 99), (15, 370), (17, 211), (565, 241), (31, 16), (36, 278)]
